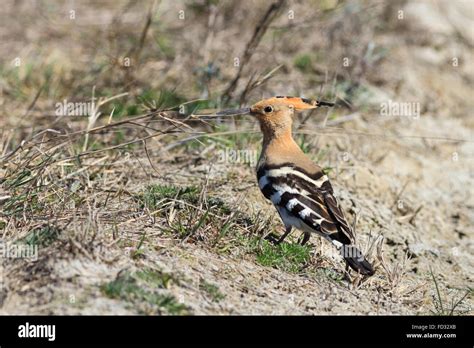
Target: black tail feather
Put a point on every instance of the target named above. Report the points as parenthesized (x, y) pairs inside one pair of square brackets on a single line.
[(356, 260)]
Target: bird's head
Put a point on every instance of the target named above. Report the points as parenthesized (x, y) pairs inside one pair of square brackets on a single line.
[(275, 114)]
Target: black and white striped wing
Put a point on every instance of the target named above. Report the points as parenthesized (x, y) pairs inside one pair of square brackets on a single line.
[(305, 201)]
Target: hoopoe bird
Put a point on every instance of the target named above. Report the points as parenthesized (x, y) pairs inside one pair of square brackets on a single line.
[(297, 187)]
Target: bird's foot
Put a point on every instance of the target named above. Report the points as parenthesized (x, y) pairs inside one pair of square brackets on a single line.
[(273, 238)]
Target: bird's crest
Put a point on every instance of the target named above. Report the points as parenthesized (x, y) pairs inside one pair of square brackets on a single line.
[(297, 102)]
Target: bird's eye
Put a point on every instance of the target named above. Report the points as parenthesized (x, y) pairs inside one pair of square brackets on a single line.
[(268, 109)]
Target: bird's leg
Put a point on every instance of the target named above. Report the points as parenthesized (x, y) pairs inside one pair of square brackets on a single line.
[(282, 238), (305, 238)]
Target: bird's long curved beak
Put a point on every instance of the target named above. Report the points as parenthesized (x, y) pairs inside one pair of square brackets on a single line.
[(234, 112)]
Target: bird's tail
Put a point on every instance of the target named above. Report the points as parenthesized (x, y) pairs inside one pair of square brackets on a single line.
[(356, 260)]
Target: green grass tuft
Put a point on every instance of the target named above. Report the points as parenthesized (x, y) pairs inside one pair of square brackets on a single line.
[(156, 194), (303, 63), (140, 289), (285, 256), (156, 278), (304, 144), (212, 291), (42, 236)]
